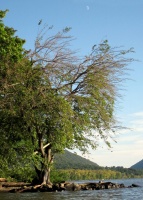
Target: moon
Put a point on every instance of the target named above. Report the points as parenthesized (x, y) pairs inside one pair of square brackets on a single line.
[(87, 8)]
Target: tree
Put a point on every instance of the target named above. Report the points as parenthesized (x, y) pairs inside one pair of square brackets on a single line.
[(11, 52), (53, 100), (86, 90)]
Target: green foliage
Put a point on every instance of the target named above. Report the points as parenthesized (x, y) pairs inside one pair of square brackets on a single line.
[(11, 52), (127, 172), (11, 46), (22, 173)]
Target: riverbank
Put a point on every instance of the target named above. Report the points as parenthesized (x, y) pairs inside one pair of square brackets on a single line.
[(6, 186), (21, 187)]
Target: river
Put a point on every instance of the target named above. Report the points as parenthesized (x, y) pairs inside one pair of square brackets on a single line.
[(135, 193)]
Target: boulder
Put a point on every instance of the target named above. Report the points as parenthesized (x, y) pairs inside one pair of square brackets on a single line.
[(72, 187), (135, 185)]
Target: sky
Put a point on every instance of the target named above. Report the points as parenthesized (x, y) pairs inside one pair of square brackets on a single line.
[(92, 21)]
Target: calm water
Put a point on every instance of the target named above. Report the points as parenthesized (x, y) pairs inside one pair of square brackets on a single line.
[(111, 194)]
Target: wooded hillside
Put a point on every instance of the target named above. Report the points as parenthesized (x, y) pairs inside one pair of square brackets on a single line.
[(69, 160), (138, 165)]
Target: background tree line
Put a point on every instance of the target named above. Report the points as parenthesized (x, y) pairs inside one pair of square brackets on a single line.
[(98, 174)]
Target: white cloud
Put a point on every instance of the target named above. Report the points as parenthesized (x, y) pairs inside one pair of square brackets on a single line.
[(137, 114)]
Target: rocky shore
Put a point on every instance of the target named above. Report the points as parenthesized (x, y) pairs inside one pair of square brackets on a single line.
[(58, 187)]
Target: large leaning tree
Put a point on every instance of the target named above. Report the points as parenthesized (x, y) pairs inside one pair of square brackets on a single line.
[(50, 99)]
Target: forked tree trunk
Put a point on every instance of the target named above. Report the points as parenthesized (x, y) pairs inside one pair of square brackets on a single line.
[(44, 173)]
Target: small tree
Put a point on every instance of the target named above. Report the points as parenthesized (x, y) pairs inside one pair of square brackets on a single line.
[(53, 100)]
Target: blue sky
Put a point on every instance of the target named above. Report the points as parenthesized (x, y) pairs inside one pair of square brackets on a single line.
[(92, 21)]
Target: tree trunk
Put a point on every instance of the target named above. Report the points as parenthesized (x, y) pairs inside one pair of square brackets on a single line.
[(46, 177), (49, 160), (44, 173)]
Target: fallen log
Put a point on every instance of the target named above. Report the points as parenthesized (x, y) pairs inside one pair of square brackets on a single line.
[(3, 180), (22, 189), (15, 184)]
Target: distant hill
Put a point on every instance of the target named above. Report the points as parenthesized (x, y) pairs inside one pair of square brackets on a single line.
[(138, 165), (69, 160)]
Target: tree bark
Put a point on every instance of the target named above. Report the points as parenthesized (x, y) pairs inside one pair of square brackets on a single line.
[(48, 160), (43, 173)]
